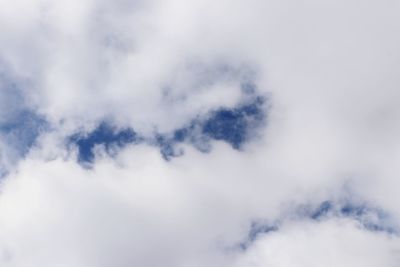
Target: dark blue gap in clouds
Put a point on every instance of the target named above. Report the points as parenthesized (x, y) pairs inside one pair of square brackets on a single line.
[(234, 126), (105, 134), (371, 219)]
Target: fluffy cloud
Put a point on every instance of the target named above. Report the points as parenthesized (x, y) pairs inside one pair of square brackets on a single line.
[(327, 69), (139, 209), (334, 243)]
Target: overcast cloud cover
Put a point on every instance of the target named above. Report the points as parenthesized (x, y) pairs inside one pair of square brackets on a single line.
[(240, 133)]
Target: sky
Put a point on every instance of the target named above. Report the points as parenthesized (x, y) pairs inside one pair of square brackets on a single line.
[(231, 133)]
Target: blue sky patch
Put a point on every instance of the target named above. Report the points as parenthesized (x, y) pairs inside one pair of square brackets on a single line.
[(105, 134), (370, 218), (22, 131), (234, 126)]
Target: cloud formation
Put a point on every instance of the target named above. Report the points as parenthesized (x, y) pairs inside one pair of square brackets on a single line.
[(277, 123)]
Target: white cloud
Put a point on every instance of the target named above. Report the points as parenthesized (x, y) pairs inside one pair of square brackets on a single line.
[(329, 67), (142, 210), (332, 243)]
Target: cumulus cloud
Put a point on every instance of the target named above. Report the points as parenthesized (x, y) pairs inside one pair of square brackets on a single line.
[(327, 74), (334, 243)]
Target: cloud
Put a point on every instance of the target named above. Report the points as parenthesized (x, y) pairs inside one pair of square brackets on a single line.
[(186, 76), (192, 210), (336, 242), (19, 123)]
